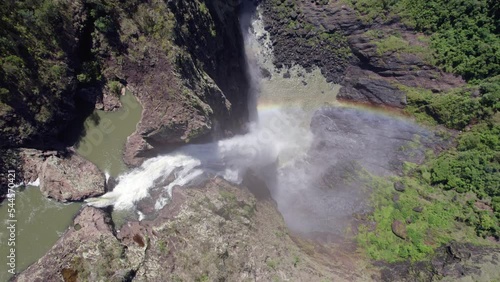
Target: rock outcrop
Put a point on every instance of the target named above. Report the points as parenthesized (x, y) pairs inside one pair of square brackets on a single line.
[(355, 53), (453, 262), (62, 175), (217, 233), (192, 85), (183, 60), (377, 142), (91, 234), (71, 178)]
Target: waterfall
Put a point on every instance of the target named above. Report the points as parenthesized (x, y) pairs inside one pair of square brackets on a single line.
[(279, 136)]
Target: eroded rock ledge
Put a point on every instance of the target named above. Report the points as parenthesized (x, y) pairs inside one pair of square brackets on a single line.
[(334, 38), (63, 175), (219, 232)]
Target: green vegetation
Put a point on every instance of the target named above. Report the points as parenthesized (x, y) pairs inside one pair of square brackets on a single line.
[(272, 264), (454, 195), (395, 43), (430, 216), (464, 34), (458, 108), (115, 87), (45, 53)]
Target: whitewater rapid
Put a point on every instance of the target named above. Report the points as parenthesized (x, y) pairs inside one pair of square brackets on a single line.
[(275, 137), (276, 148)]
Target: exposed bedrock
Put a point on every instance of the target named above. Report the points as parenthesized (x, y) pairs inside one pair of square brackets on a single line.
[(183, 60), (334, 38), (199, 90), (63, 175), (219, 232)]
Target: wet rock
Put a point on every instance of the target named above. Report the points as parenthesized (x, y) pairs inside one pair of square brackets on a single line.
[(455, 261), (85, 251), (217, 231), (32, 161), (399, 229), (366, 74), (135, 150), (110, 102), (70, 178), (372, 140), (400, 187), (373, 91), (193, 98)]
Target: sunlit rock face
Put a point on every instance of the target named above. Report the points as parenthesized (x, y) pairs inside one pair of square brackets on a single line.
[(322, 192), (378, 142)]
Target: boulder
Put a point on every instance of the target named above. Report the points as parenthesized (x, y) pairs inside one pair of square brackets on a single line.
[(400, 187), (399, 229), (71, 178), (216, 232)]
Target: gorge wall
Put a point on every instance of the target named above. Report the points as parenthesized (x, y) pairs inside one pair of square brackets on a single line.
[(184, 61), (352, 51)]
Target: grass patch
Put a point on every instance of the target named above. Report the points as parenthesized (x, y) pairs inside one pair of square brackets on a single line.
[(394, 43), (427, 214)]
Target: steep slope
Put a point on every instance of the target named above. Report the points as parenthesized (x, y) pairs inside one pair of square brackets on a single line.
[(217, 232), (184, 61)]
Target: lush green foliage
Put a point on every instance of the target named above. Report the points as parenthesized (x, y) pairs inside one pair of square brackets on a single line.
[(474, 166), (395, 43), (458, 190), (455, 109), (431, 217), (465, 33)]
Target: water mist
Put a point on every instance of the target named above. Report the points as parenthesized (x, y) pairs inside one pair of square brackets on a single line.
[(301, 143)]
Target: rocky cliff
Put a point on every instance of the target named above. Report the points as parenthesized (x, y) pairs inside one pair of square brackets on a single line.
[(372, 60), (184, 61), (217, 233)]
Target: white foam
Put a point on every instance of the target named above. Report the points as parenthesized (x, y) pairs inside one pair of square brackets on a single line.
[(106, 174), (35, 183), (274, 135)]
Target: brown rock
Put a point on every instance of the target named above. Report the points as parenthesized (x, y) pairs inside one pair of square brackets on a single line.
[(399, 229), (72, 178), (400, 187), (221, 232), (135, 147), (110, 102), (85, 248)]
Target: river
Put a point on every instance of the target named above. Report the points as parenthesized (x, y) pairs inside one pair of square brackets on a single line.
[(41, 221)]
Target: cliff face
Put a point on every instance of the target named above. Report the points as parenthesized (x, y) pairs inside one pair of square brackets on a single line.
[(183, 60), (372, 60), (39, 62), (217, 233), (192, 84)]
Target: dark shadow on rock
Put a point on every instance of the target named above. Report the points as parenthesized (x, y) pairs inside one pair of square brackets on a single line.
[(9, 161), (85, 106)]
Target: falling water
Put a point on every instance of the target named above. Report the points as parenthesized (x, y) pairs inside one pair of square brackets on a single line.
[(307, 182)]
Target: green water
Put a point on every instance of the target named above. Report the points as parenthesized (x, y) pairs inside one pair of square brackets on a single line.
[(106, 134), (105, 137), (40, 223)]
